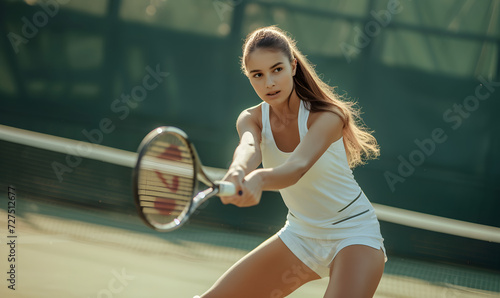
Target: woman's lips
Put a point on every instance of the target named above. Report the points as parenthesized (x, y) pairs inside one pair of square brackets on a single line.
[(274, 93)]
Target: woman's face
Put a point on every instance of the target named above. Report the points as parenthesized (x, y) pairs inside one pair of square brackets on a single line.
[(271, 75)]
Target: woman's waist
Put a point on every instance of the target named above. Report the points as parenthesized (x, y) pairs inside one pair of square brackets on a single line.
[(359, 222), (323, 202)]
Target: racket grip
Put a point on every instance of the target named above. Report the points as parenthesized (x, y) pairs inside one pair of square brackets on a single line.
[(226, 188)]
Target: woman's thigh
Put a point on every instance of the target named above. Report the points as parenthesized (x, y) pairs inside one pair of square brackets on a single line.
[(270, 270), (356, 272)]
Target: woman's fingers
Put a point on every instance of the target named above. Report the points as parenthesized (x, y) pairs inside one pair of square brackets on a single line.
[(245, 199), (248, 189), (235, 177)]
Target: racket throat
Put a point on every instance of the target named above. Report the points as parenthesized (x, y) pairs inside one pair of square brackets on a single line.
[(201, 197)]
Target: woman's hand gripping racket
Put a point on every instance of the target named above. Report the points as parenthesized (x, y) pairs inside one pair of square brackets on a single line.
[(166, 180)]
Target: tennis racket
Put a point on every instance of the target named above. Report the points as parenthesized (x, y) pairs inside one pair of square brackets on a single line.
[(166, 180)]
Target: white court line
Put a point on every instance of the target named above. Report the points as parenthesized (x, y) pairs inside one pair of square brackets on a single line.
[(128, 159)]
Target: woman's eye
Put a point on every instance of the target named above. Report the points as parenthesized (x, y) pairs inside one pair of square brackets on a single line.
[(278, 69), (257, 75)]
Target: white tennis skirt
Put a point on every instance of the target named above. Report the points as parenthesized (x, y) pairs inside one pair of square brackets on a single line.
[(318, 252)]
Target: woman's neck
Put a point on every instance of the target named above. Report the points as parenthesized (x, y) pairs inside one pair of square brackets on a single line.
[(287, 110)]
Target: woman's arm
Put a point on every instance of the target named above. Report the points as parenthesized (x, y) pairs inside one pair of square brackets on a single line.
[(247, 155)]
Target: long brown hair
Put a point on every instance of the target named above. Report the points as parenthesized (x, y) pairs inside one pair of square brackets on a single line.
[(359, 142)]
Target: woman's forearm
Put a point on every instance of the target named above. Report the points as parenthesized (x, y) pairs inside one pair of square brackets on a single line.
[(280, 177)]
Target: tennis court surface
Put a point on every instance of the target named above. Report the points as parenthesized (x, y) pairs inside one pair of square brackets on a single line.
[(75, 252)]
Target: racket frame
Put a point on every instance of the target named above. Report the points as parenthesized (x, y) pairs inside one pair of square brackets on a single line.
[(199, 175)]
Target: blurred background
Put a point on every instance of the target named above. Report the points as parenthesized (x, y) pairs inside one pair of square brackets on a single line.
[(425, 73)]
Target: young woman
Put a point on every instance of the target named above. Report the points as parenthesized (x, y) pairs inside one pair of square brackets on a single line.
[(307, 140)]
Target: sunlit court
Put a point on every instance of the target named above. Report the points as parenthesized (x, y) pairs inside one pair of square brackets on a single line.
[(118, 124)]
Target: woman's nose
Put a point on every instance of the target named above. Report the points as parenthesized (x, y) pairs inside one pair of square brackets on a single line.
[(270, 82)]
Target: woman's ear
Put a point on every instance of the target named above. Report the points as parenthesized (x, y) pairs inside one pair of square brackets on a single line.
[(294, 66)]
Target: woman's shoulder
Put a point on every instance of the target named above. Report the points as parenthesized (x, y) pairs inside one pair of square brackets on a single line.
[(251, 116), (254, 113), (331, 115), (255, 109)]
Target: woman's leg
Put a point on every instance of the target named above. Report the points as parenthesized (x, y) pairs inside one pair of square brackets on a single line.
[(270, 270), (356, 272)]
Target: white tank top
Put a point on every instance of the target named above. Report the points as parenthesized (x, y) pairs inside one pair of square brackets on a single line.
[(327, 198)]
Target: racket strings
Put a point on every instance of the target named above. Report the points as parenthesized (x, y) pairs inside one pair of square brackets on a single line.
[(169, 167), (166, 180), (155, 208), (170, 153), (167, 198), (148, 199), (159, 191), (147, 194), (165, 183), (182, 186)]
